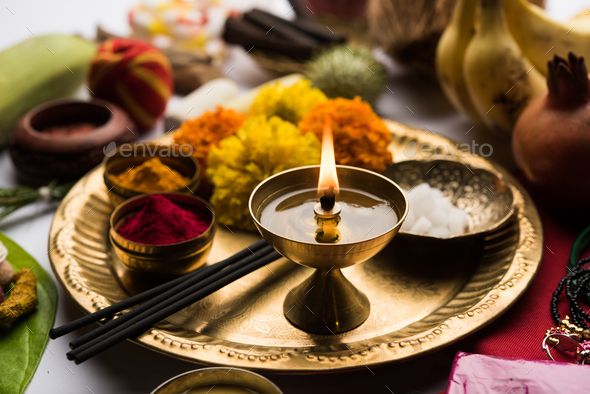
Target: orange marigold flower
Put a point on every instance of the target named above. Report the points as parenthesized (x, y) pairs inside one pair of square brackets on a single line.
[(361, 138), (205, 131)]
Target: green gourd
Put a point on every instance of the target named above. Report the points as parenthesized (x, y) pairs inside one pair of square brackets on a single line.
[(348, 71), (40, 69)]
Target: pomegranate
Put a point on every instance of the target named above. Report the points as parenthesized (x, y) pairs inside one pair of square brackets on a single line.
[(551, 139)]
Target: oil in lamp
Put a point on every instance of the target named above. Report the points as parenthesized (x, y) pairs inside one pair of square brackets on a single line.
[(327, 217)]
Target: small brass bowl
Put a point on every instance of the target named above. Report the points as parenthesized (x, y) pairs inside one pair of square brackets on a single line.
[(128, 156), (203, 380), (484, 196), (172, 259)]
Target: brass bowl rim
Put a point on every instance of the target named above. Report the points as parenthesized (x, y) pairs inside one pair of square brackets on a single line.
[(159, 264), (157, 257), (395, 227), (127, 192), (220, 369), (472, 234), (208, 233)]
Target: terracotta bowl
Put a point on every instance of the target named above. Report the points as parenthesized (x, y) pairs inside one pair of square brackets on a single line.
[(43, 147)]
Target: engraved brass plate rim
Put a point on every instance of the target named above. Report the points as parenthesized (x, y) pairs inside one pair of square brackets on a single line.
[(71, 245)]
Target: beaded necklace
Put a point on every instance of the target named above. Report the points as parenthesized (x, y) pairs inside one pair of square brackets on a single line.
[(571, 335)]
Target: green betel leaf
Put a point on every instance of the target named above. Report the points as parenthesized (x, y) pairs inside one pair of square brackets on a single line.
[(22, 344)]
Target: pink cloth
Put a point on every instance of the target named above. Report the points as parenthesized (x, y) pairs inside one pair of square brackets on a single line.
[(475, 373)]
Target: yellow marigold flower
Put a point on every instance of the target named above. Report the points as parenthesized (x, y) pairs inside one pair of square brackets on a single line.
[(289, 103), (361, 138), (261, 147)]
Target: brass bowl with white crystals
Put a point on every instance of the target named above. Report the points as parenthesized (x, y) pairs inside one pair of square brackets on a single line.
[(419, 304), (483, 194)]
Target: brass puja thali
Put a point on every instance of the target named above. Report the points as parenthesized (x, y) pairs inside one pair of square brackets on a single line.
[(418, 303)]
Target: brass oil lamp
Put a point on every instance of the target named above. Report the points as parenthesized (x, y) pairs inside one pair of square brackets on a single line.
[(327, 217)]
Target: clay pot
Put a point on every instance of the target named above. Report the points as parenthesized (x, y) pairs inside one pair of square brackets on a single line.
[(63, 139)]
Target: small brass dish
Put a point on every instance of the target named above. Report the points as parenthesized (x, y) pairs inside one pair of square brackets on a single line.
[(173, 259), (128, 156), (414, 311), (218, 380), (483, 195)]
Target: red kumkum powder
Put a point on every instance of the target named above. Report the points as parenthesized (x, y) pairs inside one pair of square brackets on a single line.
[(162, 222)]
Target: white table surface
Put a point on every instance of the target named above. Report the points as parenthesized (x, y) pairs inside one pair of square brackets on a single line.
[(129, 368)]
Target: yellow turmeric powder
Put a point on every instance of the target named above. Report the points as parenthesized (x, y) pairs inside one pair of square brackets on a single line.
[(151, 176)]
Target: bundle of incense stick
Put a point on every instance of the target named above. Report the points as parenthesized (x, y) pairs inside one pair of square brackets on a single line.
[(262, 31), (145, 309)]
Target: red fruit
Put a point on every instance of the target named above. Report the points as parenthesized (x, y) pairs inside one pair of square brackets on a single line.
[(551, 140)]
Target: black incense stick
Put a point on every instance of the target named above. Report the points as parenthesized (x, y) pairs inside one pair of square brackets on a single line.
[(308, 27), (281, 26), (183, 299), (141, 312), (111, 310), (200, 276)]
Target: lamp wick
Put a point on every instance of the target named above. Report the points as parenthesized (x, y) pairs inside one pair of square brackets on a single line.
[(327, 201)]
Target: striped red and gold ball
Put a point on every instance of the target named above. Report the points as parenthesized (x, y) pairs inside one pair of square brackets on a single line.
[(135, 75)]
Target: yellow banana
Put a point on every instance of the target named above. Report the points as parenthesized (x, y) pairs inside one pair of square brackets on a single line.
[(541, 37), (499, 79), (449, 56), (581, 21)]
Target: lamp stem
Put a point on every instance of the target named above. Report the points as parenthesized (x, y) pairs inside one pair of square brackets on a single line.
[(326, 303)]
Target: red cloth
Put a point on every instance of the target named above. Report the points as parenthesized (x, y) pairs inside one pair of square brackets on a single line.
[(520, 331)]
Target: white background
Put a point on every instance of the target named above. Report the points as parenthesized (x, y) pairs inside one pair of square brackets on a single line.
[(129, 368)]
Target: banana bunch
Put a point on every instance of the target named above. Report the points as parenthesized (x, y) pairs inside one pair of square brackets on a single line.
[(450, 53), (541, 38), (491, 58)]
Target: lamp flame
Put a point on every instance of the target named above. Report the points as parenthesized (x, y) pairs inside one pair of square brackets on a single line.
[(328, 181)]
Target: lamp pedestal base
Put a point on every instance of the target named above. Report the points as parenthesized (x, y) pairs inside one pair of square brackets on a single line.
[(326, 303)]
